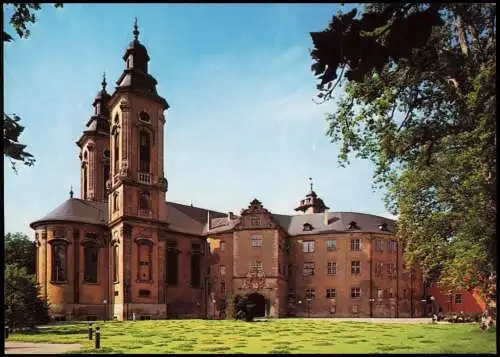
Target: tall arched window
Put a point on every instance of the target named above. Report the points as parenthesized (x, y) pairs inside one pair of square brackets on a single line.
[(145, 255), (115, 263), (116, 143), (91, 258), (59, 268), (144, 201), (106, 168), (144, 151)]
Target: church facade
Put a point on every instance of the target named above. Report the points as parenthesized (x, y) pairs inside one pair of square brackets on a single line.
[(122, 250)]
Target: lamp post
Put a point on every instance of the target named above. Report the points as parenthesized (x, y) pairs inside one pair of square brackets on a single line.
[(424, 309), (105, 310), (213, 308), (433, 305), (372, 300)]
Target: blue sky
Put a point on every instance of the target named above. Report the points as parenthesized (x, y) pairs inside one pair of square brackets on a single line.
[(242, 122)]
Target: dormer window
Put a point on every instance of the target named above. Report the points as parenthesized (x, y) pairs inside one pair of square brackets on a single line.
[(307, 227), (352, 225), (383, 226)]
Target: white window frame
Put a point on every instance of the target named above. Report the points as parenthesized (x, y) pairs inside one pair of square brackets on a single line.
[(331, 249), (331, 293), (353, 266), (256, 240), (355, 247), (308, 268), (308, 246), (331, 268), (355, 293)]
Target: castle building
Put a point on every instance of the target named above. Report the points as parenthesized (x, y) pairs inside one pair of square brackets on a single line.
[(122, 250)]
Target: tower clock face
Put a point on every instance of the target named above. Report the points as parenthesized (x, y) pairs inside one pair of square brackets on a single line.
[(144, 116)]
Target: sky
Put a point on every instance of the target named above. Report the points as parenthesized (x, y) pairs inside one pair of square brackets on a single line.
[(241, 125)]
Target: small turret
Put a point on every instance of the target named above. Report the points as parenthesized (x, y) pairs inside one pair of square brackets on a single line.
[(312, 203)]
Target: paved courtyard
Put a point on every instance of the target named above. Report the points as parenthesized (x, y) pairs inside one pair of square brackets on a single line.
[(39, 348)]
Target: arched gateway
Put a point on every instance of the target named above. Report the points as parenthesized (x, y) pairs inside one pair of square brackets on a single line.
[(260, 304)]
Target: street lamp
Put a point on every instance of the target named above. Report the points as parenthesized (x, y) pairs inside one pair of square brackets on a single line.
[(372, 300), (308, 307), (105, 310), (433, 305), (213, 308)]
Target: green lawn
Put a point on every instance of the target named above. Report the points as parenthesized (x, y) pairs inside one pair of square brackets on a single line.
[(273, 336)]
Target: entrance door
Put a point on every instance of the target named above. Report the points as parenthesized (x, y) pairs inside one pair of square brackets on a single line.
[(260, 304)]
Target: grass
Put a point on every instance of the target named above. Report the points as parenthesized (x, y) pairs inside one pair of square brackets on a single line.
[(277, 336)]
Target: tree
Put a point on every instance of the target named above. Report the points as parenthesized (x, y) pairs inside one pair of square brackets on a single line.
[(23, 305), (20, 250), (23, 15), (420, 102)]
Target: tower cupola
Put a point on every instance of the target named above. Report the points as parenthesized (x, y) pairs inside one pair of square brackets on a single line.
[(312, 203)]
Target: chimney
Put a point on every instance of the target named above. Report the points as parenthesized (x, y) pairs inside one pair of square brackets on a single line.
[(325, 216), (208, 221)]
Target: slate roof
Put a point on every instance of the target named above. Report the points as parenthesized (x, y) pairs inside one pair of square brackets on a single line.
[(193, 220), (77, 210)]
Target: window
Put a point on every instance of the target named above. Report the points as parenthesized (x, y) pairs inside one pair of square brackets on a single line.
[(391, 269), (256, 267), (290, 270), (391, 293), (458, 299), (332, 268), (256, 240), (255, 221), (106, 169), (223, 288), (59, 262), (85, 180), (144, 116), (391, 245), (115, 263), (144, 293), (355, 245), (355, 293), (172, 263), (355, 267), (352, 225), (310, 293), (145, 252), (116, 147), (355, 309), (222, 270), (195, 266), (308, 246), (115, 201), (144, 151), (90, 254), (144, 200), (331, 245), (308, 269), (331, 293), (307, 227), (222, 246), (379, 245), (379, 269), (380, 294)]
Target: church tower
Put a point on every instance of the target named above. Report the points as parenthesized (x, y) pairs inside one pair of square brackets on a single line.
[(137, 185), (94, 150)]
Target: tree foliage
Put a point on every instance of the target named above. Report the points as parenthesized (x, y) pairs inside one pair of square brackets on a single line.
[(20, 250), (23, 305), (419, 100), (23, 15)]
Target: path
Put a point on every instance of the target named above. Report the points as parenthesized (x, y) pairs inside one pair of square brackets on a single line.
[(39, 348)]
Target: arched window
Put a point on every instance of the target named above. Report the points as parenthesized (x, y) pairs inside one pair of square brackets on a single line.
[(115, 263), (144, 151), (106, 168), (91, 258), (145, 252), (144, 200), (59, 266), (116, 143), (85, 180), (115, 202)]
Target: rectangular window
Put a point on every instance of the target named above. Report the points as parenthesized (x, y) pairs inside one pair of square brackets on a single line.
[(290, 270), (380, 294), (196, 269), (255, 221), (355, 309), (308, 269), (59, 262), (256, 267), (355, 293), (222, 270), (256, 240), (331, 293), (332, 268), (223, 288), (308, 246), (115, 263), (458, 299), (222, 246), (144, 293), (379, 245), (310, 293), (391, 270), (355, 245), (172, 263), (331, 245), (90, 254), (391, 245), (379, 269), (355, 267)]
